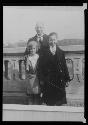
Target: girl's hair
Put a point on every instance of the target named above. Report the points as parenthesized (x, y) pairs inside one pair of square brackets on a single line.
[(32, 43)]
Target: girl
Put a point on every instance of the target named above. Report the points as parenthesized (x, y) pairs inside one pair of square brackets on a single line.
[(31, 59)]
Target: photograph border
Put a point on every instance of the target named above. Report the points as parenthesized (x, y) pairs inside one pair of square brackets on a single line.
[(59, 108)]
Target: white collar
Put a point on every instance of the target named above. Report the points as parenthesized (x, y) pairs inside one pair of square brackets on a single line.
[(40, 36), (53, 50), (36, 56)]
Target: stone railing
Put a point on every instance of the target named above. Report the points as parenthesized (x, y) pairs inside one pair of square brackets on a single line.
[(14, 66)]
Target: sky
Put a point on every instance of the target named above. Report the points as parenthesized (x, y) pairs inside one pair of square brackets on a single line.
[(19, 22)]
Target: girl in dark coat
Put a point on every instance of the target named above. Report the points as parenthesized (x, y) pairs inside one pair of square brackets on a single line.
[(54, 73)]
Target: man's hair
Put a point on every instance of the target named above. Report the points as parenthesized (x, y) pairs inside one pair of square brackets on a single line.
[(39, 24), (53, 33)]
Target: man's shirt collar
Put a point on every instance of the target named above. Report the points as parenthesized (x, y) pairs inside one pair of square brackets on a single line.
[(53, 50), (40, 37)]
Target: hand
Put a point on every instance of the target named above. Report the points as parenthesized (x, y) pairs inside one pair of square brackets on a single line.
[(41, 94), (67, 84), (35, 90), (27, 68)]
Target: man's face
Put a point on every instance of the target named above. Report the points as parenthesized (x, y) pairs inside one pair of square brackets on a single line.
[(52, 40), (39, 29)]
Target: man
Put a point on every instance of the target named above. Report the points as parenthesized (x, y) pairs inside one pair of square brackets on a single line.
[(41, 38), (54, 72)]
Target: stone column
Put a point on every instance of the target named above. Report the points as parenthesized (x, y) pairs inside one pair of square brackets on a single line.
[(83, 67), (23, 72), (17, 65), (70, 68), (16, 68), (78, 69), (9, 72), (3, 69)]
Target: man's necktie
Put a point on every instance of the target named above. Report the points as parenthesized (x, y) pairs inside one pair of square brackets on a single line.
[(40, 41)]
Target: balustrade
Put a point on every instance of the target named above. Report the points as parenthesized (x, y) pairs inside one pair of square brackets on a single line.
[(15, 68)]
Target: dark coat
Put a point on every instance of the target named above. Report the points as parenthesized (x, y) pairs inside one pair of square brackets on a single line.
[(53, 71)]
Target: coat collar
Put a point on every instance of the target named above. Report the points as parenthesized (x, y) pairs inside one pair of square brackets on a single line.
[(57, 54), (44, 35)]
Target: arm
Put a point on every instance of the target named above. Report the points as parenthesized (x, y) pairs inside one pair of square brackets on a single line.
[(41, 69), (64, 68)]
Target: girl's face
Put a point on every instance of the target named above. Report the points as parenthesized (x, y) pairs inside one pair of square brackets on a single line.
[(52, 40), (32, 50)]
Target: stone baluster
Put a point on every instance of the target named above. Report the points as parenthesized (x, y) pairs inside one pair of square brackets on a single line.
[(22, 69), (83, 69), (17, 65), (3, 69), (69, 63), (6, 68), (78, 69), (9, 70), (3, 66), (16, 69), (5, 62)]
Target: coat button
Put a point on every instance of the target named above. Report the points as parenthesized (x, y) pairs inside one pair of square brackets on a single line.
[(60, 70)]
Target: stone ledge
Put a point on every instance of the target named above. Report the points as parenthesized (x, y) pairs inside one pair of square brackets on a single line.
[(42, 113), (42, 108)]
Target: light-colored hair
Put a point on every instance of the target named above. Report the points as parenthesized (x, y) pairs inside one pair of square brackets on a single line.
[(32, 43), (39, 24)]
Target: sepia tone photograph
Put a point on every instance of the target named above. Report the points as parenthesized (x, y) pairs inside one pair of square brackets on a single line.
[(43, 63)]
